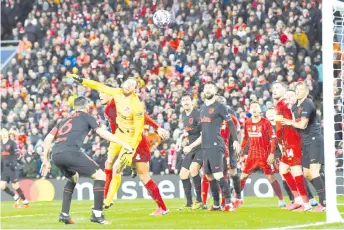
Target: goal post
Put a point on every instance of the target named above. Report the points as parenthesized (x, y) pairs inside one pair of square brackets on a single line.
[(328, 32)]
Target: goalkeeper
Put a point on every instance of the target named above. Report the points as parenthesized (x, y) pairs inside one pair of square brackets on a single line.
[(130, 122)]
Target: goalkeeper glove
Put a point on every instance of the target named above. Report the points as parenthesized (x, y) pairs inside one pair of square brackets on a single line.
[(125, 160), (75, 77)]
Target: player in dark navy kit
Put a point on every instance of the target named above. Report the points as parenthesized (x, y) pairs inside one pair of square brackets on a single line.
[(312, 141), (193, 159), (69, 135), (212, 115), (9, 171)]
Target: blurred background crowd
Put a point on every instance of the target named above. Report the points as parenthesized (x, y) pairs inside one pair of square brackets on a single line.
[(243, 45)]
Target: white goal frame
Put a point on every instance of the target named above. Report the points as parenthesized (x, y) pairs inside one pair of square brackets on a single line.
[(332, 213)]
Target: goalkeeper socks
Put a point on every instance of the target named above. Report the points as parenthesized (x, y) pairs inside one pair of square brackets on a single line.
[(320, 188), (277, 189), (309, 192), (300, 183), (289, 179), (155, 194), (108, 173), (242, 184), (287, 189), (114, 186), (205, 189), (9, 191), (214, 188), (224, 185), (187, 191), (236, 185), (98, 191), (67, 196), (197, 183), (20, 193)]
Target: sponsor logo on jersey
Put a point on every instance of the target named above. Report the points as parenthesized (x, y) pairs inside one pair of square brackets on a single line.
[(205, 119)]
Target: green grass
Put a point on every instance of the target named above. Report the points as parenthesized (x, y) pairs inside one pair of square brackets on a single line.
[(134, 214)]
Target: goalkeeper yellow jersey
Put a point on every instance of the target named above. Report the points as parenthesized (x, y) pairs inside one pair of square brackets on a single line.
[(130, 110)]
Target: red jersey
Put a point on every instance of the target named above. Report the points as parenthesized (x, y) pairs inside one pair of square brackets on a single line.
[(260, 138), (286, 135), (111, 114)]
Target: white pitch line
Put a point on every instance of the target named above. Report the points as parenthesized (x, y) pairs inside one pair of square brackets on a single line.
[(299, 226)]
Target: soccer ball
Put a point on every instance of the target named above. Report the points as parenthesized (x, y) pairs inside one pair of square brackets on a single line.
[(162, 18)]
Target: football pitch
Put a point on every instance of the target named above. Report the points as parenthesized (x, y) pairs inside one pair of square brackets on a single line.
[(261, 213)]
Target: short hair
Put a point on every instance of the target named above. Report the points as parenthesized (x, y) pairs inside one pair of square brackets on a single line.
[(290, 90), (80, 103), (186, 94), (282, 84), (210, 83), (254, 102)]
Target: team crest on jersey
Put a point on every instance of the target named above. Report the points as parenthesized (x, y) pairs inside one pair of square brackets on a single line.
[(127, 110), (8, 147), (299, 110), (211, 110), (254, 128), (190, 121)]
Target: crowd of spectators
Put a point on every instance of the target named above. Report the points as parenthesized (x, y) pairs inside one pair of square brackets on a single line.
[(243, 45)]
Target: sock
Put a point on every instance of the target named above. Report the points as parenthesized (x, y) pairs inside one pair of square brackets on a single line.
[(320, 187), (289, 179), (287, 189), (98, 190), (108, 173), (197, 184), (214, 188), (21, 194), (205, 189), (224, 185), (300, 183), (155, 194), (9, 191), (187, 191), (97, 213), (114, 186), (242, 184), (309, 192), (236, 185), (67, 196), (277, 189)]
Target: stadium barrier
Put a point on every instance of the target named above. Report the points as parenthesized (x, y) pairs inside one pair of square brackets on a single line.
[(170, 187)]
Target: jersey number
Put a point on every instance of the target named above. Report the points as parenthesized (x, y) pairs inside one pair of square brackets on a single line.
[(290, 153), (66, 128)]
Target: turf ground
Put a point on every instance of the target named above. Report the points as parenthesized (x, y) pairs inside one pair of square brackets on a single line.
[(134, 214)]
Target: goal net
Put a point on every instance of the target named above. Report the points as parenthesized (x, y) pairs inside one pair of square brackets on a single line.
[(333, 107)]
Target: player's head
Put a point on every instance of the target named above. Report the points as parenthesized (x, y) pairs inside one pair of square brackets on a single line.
[(301, 91), (290, 95), (104, 98), (129, 86), (255, 109), (4, 133), (270, 114), (278, 90), (221, 100), (81, 104), (186, 101), (209, 90)]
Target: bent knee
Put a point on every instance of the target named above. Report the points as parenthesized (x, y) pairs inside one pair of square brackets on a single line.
[(243, 176), (184, 174), (218, 175), (194, 170)]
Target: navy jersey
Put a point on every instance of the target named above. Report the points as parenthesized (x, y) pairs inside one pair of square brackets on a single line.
[(70, 133), (212, 117), (191, 125), (9, 151), (307, 109)]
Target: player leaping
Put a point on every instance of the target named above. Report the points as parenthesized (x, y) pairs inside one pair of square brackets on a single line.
[(130, 122), (212, 115), (290, 141), (142, 155), (261, 141)]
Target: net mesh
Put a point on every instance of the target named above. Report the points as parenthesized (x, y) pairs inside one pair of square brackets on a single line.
[(338, 66)]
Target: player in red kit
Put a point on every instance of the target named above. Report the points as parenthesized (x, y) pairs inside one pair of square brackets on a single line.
[(261, 141), (141, 157), (290, 141)]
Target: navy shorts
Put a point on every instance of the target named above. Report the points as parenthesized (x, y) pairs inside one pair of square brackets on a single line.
[(194, 156), (213, 160), (313, 152)]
